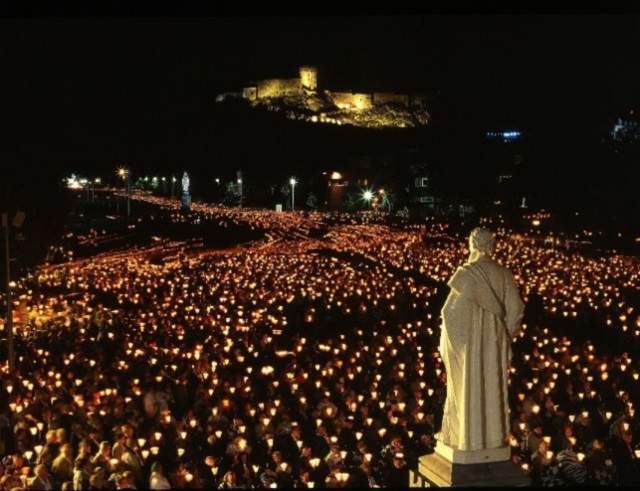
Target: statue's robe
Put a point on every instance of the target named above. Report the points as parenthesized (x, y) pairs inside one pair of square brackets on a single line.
[(480, 317)]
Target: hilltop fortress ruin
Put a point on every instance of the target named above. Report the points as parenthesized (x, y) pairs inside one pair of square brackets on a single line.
[(300, 98)]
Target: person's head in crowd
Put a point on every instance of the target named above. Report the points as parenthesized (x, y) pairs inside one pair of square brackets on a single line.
[(82, 463), (67, 451), (84, 447), (52, 436), (105, 449), (61, 436), (41, 471), (399, 460), (125, 480), (229, 479), (99, 478)]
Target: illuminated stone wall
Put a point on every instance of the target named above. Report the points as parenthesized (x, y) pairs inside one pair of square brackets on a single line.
[(351, 100), (278, 87), (388, 98), (309, 77), (418, 100), (250, 93)]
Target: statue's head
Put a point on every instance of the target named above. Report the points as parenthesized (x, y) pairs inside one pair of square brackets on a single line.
[(481, 242)]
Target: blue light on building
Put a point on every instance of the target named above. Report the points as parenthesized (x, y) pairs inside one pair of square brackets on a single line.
[(509, 135)]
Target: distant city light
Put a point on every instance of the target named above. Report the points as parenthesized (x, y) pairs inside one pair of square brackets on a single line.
[(505, 135), (626, 130), (74, 183)]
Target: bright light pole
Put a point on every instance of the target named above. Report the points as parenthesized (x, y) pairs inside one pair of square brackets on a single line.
[(367, 196), (239, 175), (17, 222), (126, 176), (293, 183)]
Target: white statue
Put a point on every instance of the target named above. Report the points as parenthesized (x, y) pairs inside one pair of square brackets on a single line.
[(185, 183), (480, 317)]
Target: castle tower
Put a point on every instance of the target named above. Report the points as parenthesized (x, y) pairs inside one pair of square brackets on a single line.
[(309, 78)]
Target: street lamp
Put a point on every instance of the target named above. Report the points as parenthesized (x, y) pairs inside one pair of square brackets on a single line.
[(17, 222), (239, 174), (367, 196), (293, 183), (124, 173)]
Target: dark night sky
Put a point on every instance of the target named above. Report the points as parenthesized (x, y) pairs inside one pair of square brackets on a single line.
[(87, 93)]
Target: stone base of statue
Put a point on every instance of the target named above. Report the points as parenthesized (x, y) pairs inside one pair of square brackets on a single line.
[(450, 467), (186, 202)]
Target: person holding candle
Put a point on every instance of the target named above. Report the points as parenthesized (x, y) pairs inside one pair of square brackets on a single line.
[(157, 480), (82, 468), (42, 480), (62, 466)]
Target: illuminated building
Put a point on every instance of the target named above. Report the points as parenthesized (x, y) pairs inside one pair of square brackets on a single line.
[(304, 99), (627, 129), (503, 154), (505, 135)]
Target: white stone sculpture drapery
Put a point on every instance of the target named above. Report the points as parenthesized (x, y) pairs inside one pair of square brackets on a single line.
[(480, 317), (185, 183)]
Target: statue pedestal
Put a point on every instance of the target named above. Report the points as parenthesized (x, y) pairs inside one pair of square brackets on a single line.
[(450, 467), (186, 202)]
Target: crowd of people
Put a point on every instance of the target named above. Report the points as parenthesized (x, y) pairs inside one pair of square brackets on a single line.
[(305, 360)]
